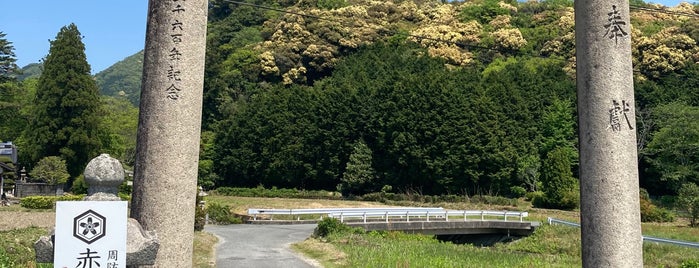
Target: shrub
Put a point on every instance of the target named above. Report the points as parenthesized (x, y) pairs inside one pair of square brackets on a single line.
[(531, 196), (652, 213), (69, 197), (37, 202), (221, 214), (518, 191), (51, 170), (47, 202), (570, 200), (328, 226), (275, 192), (375, 197), (688, 201), (79, 186)]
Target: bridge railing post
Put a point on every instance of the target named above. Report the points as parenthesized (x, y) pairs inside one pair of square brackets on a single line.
[(481, 215), (428, 216), (505, 215)]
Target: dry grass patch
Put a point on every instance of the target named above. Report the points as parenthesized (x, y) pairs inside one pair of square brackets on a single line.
[(240, 205), (204, 250), (324, 253), (16, 217)]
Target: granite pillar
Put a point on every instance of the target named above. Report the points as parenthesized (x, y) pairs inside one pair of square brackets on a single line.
[(167, 153), (610, 213)]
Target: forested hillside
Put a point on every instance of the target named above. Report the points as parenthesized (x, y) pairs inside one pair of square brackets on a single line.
[(428, 96), (474, 97), (123, 79)]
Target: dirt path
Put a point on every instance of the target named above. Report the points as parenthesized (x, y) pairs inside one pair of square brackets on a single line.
[(10, 220)]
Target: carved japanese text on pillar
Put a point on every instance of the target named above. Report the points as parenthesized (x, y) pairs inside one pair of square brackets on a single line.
[(175, 55), (615, 25), (617, 112)]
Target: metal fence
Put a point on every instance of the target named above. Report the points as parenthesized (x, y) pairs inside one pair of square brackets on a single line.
[(645, 238), (391, 214)]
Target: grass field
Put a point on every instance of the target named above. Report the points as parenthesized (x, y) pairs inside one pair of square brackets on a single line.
[(550, 246)]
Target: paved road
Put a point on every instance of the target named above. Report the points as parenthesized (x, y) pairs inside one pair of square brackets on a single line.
[(259, 246)]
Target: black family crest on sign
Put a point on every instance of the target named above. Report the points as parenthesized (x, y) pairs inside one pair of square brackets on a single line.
[(89, 226)]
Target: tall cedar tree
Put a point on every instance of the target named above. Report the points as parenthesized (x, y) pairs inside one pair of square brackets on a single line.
[(67, 106), (8, 68), (9, 88)]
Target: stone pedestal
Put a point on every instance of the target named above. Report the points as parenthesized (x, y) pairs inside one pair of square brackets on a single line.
[(103, 175), (167, 153), (609, 193)]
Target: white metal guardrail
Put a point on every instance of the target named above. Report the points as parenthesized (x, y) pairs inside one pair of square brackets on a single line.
[(388, 214), (327, 211), (645, 238)]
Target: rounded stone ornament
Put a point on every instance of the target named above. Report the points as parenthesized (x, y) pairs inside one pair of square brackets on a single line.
[(103, 174)]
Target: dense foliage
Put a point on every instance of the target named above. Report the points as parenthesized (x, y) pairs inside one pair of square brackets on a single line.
[(430, 128)]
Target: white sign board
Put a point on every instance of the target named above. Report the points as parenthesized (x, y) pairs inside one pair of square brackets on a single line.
[(90, 234)]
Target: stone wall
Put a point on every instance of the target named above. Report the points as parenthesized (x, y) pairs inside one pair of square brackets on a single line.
[(30, 189)]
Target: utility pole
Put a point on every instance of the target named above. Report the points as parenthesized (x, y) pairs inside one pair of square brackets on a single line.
[(609, 193), (167, 150)]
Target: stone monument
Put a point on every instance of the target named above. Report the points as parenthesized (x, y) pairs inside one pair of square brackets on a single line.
[(103, 175), (609, 193), (167, 152)]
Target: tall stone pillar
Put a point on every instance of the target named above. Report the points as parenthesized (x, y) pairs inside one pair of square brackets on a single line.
[(167, 153), (610, 213)]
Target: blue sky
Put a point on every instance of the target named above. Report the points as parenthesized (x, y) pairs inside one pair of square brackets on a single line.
[(112, 30)]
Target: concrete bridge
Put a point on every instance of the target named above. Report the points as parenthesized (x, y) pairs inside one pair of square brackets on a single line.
[(480, 227)]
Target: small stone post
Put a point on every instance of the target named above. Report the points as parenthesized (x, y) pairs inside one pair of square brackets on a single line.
[(609, 194), (167, 152)]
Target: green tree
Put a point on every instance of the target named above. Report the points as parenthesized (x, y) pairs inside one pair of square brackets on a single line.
[(10, 111), (673, 151), (558, 184), (359, 175), (118, 129), (10, 127), (8, 68), (207, 178), (688, 201), (67, 109), (51, 170)]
